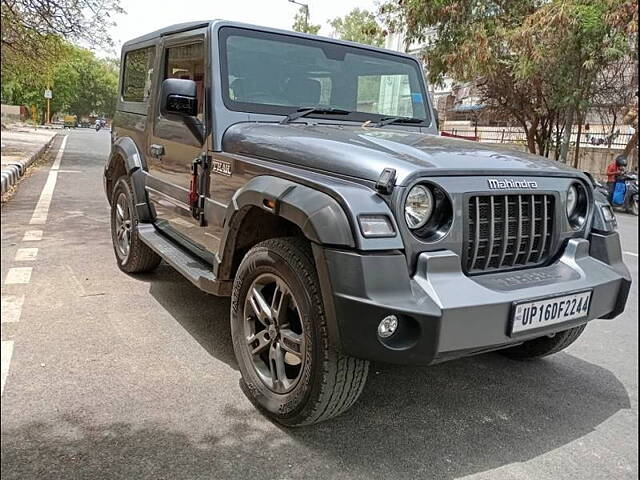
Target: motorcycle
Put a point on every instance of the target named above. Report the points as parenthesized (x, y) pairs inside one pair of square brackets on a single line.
[(625, 193)]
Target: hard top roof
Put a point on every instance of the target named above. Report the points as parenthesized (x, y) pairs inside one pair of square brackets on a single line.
[(182, 27), (178, 27)]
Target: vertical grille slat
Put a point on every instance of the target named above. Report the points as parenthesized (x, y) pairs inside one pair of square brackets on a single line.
[(508, 231), (519, 236), (532, 227), (543, 240), (476, 225), (505, 232), (492, 228)]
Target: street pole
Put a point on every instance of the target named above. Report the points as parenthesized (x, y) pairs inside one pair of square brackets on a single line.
[(305, 7)]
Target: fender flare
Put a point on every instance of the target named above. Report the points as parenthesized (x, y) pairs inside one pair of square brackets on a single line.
[(126, 148), (319, 216)]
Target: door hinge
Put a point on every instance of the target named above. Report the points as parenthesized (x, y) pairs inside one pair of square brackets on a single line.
[(198, 187)]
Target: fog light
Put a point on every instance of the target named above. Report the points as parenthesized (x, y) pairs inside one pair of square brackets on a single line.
[(388, 326)]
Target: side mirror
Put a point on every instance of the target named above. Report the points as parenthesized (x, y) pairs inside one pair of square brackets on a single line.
[(179, 97)]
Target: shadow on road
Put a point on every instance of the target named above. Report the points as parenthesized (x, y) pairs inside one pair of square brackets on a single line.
[(445, 421), (205, 317)]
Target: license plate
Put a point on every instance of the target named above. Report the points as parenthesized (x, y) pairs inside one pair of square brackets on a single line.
[(550, 311)]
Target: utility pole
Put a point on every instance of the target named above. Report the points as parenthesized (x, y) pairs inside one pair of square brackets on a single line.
[(305, 7), (48, 95)]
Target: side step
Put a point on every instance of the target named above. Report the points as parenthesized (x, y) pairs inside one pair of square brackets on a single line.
[(189, 266)]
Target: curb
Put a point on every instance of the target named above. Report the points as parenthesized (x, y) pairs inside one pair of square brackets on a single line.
[(12, 172)]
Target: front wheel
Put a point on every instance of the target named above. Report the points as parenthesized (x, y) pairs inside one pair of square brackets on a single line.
[(543, 346), (291, 369)]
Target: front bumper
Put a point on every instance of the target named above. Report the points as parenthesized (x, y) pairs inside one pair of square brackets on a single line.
[(443, 313)]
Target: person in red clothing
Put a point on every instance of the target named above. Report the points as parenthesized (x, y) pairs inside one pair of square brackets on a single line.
[(613, 170)]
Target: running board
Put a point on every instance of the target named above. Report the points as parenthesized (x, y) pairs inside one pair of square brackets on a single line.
[(188, 265)]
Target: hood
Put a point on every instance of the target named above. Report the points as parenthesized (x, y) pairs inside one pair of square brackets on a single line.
[(364, 152)]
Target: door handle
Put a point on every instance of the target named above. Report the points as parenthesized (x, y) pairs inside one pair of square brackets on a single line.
[(156, 150)]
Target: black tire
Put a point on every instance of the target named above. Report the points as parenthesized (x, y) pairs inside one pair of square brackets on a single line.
[(543, 346), (139, 257), (329, 382)]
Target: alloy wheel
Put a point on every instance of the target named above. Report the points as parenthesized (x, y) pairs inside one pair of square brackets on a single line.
[(273, 332), (123, 225)]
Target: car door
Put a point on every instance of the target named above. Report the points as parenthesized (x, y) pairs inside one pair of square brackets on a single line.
[(172, 147)]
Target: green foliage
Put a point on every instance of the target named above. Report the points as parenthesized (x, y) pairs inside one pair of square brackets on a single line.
[(301, 22), (29, 25), (81, 83), (534, 58), (359, 26)]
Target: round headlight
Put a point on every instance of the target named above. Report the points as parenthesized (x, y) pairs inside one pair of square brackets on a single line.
[(418, 207), (572, 200)]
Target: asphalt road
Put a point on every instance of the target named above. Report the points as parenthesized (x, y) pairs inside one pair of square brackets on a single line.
[(126, 377)]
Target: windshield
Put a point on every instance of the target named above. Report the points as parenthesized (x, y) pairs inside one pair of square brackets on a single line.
[(278, 74)]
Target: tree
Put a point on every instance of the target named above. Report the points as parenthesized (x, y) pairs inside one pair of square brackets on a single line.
[(32, 30), (359, 26), (82, 84), (533, 59), (301, 22)]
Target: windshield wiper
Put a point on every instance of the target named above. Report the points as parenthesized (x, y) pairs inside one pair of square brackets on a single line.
[(390, 120), (303, 112)]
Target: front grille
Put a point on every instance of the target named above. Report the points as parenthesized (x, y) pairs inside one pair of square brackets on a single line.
[(508, 231)]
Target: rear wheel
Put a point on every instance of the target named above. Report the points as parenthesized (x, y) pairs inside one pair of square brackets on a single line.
[(291, 369), (132, 254), (543, 346), (633, 207)]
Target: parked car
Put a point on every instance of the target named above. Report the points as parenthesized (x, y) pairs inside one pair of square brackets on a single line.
[(305, 178)]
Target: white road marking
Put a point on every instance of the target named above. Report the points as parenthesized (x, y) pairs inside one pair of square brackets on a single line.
[(56, 163), (11, 308), (32, 236), (631, 253), (26, 254), (6, 351), (41, 211), (18, 275)]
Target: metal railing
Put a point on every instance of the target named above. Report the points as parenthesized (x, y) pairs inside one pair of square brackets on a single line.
[(517, 136)]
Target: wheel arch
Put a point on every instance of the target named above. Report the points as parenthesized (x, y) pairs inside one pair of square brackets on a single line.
[(268, 207), (125, 159)]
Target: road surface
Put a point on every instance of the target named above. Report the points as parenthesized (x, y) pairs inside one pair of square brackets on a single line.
[(110, 376)]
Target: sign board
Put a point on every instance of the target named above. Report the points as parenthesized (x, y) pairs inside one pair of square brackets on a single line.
[(47, 94)]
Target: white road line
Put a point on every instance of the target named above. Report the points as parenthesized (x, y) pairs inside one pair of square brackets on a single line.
[(56, 163), (631, 253), (26, 254), (11, 308), (32, 236), (18, 275), (6, 351), (41, 211)]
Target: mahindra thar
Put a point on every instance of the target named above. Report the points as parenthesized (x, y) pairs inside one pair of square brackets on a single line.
[(305, 178)]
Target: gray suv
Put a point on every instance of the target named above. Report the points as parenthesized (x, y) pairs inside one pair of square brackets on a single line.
[(305, 178)]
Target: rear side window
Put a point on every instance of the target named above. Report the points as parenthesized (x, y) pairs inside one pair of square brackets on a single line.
[(138, 72)]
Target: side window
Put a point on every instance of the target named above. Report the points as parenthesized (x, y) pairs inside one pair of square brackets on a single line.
[(187, 62), (138, 73)]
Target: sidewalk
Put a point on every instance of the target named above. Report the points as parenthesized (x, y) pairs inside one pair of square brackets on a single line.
[(21, 146)]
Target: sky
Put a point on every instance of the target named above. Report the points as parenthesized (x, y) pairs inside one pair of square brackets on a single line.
[(144, 16)]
